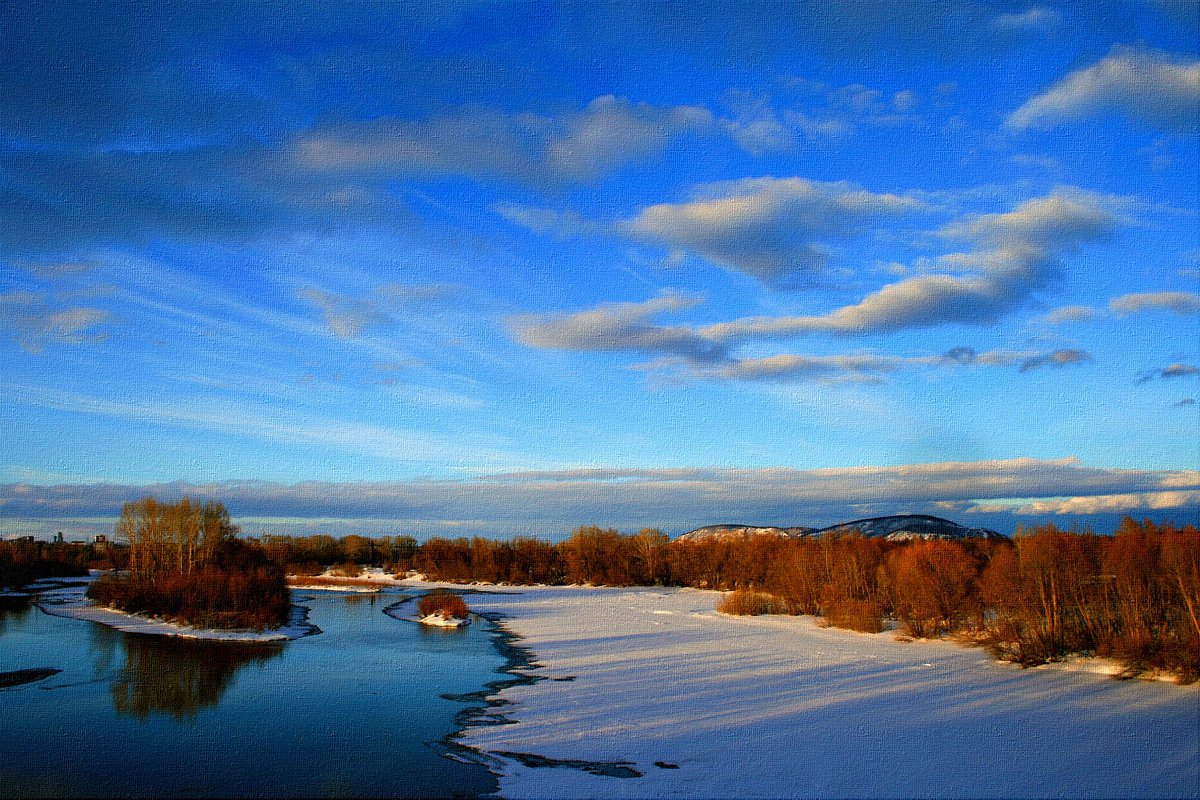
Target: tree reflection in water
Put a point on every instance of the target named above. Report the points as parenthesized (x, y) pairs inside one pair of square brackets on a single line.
[(168, 675), (13, 609)]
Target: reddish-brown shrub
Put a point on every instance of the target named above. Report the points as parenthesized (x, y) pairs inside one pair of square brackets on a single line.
[(745, 602), (865, 616), (931, 586), (440, 601)]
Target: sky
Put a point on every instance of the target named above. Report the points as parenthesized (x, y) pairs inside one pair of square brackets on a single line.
[(493, 268)]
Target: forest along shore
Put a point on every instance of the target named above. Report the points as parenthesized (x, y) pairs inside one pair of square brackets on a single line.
[(650, 692)]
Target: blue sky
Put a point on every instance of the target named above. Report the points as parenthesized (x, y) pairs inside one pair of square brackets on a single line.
[(501, 268)]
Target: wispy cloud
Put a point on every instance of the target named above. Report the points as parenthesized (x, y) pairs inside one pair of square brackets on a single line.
[(1143, 84), (481, 142), (1177, 370), (864, 367), (264, 422), (36, 324), (1057, 358), (1038, 18), (819, 369), (346, 317), (1179, 302)]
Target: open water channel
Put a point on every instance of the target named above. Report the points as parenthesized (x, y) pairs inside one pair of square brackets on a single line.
[(356, 711)]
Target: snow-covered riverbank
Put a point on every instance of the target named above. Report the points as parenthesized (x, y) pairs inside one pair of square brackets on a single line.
[(780, 707)]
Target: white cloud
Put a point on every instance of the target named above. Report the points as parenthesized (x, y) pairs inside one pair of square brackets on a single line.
[(1036, 18), (773, 229), (576, 145), (1065, 218), (1066, 315), (1179, 302), (619, 327), (1143, 84), (1110, 503), (611, 131), (1019, 255)]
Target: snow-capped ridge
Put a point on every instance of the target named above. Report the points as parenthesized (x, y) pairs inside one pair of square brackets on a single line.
[(740, 532), (897, 527), (902, 527)]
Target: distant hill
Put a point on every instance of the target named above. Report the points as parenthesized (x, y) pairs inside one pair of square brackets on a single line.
[(899, 527), (910, 526), (721, 532)]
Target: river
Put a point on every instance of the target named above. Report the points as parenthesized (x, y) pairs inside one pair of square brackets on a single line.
[(355, 711)]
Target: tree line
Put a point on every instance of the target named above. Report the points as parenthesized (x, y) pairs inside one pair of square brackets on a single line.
[(23, 561), (1047, 593)]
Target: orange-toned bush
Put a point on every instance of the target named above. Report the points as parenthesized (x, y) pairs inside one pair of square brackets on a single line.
[(931, 586), (448, 604), (745, 602), (865, 616)]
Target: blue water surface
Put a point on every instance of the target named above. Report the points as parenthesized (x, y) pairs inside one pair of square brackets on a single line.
[(355, 711)]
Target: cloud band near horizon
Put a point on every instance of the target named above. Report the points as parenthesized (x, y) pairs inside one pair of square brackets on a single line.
[(676, 499)]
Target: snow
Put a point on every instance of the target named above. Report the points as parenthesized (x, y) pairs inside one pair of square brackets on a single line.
[(441, 621), (339, 587), (781, 707), (370, 580), (71, 602)]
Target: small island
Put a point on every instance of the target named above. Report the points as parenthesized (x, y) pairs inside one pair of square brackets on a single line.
[(443, 609), (187, 566)]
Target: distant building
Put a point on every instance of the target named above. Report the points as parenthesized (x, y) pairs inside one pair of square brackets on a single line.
[(58, 538)]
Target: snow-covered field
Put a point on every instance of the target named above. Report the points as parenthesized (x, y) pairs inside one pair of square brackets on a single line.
[(780, 707)]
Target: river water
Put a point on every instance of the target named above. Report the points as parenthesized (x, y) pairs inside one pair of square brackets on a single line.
[(355, 711)]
